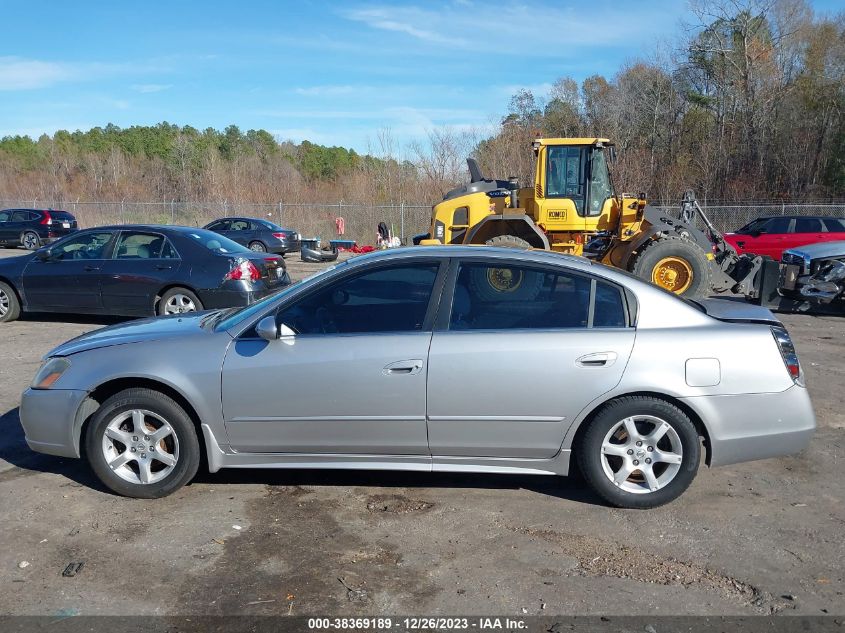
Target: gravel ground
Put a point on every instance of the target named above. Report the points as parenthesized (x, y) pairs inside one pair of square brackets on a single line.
[(757, 538)]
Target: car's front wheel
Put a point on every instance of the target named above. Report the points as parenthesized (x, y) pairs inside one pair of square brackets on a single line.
[(639, 452), (141, 443)]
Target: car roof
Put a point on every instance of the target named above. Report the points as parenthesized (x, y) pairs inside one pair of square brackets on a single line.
[(464, 252), (798, 217)]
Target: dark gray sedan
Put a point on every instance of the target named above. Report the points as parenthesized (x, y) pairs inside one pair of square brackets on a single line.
[(137, 270), (258, 235), (456, 359)]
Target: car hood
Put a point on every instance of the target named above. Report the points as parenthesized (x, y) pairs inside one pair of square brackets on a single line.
[(737, 311), (152, 329), (819, 249)]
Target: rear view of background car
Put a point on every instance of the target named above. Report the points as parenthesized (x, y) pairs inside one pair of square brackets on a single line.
[(258, 235), (32, 228)]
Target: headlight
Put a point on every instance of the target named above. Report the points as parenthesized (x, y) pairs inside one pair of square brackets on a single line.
[(51, 370)]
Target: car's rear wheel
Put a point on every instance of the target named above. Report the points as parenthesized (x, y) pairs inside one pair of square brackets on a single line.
[(639, 452), (31, 241), (258, 247), (141, 443), (178, 301), (10, 305)]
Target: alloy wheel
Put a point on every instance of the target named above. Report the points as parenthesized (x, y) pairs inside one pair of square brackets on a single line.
[(140, 446), (641, 454), (179, 303), (30, 241), (4, 303)]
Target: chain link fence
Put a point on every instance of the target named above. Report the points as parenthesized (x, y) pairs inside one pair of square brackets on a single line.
[(361, 220)]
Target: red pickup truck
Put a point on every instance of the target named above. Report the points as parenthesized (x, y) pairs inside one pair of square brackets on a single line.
[(773, 235)]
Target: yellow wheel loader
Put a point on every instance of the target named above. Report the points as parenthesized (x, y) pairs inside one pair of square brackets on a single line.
[(573, 208)]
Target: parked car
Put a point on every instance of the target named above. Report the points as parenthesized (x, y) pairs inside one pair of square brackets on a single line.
[(32, 228), (815, 273), (137, 271), (772, 235), (460, 359), (258, 235)]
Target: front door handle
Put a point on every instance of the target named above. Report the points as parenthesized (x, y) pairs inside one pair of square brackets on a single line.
[(163, 266), (599, 359), (407, 367), (91, 268)]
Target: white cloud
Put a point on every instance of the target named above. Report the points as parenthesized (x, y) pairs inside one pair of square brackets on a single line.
[(555, 30), (326, 91), (17, 73), (150, 88)]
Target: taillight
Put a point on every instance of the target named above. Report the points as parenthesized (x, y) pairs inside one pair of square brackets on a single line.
[(46, 218), (242, 269), (280, 236), (787, 352)]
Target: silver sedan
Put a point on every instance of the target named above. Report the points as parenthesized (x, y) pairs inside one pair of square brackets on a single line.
[(433, 359)]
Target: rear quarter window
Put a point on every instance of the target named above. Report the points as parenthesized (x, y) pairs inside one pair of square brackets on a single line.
[(834, 225)]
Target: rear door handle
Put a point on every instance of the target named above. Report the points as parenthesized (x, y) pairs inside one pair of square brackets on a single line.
[(599, 359), (407, 367), (91, 268), (163, 266)]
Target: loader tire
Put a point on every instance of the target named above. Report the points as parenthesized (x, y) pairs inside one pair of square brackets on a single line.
[(505, 284), (674, 264), (508, 241)]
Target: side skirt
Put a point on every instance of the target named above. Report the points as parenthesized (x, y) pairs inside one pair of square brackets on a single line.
[(219, 458)]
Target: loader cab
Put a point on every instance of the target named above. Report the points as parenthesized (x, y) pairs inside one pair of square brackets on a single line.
[(573, 188)]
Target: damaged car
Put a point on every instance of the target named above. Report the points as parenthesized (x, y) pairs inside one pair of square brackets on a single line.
[(815, 276)]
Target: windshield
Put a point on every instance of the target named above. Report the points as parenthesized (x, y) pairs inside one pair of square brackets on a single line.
[(216, 243), (226, 319)]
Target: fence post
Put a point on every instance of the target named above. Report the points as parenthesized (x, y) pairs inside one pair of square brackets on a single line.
[(280, 214), (172, 212), (122, 203), (402, 221)]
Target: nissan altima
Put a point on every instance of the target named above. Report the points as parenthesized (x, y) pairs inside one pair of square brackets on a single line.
[(455, 359)]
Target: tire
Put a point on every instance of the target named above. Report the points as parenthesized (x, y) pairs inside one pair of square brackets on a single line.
[(111, 434), (10, 305), (31, 241), (676, 265), (602, 452), (501, 284), (258, 247), (178, 301), (508, 241)]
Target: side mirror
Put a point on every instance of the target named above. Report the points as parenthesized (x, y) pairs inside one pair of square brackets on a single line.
[(44, 254), (267, 328), (757, 233)]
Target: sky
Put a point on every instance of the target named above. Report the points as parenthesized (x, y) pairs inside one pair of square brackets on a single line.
[(332, 72)]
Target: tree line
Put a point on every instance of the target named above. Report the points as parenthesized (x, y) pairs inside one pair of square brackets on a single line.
[(747, 103)]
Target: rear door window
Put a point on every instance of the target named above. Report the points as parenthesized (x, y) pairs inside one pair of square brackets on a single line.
[(834, 225), (143, 246), (21, 216), (493, 297), (808, 225)]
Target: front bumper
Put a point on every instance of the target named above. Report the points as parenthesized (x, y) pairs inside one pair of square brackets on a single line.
[(49, 420), (753, 426)]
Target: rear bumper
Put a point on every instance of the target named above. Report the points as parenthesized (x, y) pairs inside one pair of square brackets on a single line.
[(48, 418), (746, 427), (234, 298), (285, 246)]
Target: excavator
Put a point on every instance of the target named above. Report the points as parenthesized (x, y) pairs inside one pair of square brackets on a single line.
[(573, 207)]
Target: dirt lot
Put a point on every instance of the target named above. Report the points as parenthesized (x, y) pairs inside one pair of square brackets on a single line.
[(761, 537)]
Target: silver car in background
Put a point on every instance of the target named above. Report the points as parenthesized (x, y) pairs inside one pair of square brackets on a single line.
[(456, 359)]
